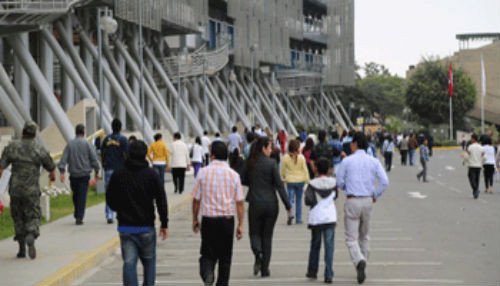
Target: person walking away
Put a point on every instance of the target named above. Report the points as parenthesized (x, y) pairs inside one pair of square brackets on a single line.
[(489, 165), (337, 150), (234, 140), (81, 158), (346, 143), (179, 161), (282, 140), (424, 158), (248, 146), (114, 152), (404, 147), (197, 158), (474, 158), (217, 138), (320, 197), (413, 143), (261, 175), (388, 148), (205, 143), (430, 144), (306, 152), (26, 157), (236, 162), (217, 190), (132, 192), (322, 149), (159, 156), (295, 174), (357, 175)]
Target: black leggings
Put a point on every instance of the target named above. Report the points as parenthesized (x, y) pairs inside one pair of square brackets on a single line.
[(489, 171), (261, 220)]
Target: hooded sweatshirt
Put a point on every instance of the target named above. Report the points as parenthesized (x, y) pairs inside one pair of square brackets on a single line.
[(320, 197)]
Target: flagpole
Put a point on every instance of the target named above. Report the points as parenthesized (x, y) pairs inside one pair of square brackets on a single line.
[(451, 118)]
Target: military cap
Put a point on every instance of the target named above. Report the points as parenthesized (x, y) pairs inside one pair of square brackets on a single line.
[(30, 128)]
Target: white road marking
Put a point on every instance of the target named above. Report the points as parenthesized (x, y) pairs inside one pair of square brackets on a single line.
[(450, 168), (299, 263), (416, 195), (299, 279)]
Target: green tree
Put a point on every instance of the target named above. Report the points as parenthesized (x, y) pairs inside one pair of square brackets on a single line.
[(427, 93)]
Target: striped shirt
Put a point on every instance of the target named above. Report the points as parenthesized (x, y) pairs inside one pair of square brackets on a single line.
[(218, 188)]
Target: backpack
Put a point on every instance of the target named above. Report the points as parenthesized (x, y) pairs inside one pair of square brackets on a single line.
[(323, 150)]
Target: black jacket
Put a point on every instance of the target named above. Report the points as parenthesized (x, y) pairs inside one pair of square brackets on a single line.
[(131, 192), (263, 182)]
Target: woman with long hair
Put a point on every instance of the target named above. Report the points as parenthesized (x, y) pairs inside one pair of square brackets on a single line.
[(197, 156), (307, 151), (295, 174), (261, 175)]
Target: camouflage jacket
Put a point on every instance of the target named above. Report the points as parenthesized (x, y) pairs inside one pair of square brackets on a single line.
[(26, 157)]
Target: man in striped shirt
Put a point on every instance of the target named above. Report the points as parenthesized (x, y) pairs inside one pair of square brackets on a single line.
[(216, 191)]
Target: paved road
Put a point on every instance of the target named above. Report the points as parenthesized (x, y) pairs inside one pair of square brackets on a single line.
[(422, 234)]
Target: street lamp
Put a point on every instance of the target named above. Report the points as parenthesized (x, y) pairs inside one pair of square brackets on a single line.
[(185, 59), (109, 25)]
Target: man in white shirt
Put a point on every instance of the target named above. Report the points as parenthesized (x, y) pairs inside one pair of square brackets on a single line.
[(474, 158), (205, 143), (234, 140), (179, 161)]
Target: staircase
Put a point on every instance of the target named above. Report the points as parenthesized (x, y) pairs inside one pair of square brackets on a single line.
[(26, 15)]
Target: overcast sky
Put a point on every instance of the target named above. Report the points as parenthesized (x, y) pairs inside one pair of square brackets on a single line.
[(397, 33)]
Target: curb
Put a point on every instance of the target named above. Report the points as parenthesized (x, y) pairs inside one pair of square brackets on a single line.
[(447, 148), (68, 273)]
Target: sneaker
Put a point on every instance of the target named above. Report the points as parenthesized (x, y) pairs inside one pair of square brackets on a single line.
[(475, 194), (311, 276), (289, 221), (360, 269), (110, 221)]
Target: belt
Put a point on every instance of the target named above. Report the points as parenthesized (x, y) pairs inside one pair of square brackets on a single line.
[(356, 197)]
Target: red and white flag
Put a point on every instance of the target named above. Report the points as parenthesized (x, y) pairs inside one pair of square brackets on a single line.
[(450, 80)]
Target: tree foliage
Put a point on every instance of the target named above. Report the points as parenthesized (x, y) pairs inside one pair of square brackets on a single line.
[(427, 93)]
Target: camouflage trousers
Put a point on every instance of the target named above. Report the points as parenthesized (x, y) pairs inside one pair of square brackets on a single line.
[(26, 213)]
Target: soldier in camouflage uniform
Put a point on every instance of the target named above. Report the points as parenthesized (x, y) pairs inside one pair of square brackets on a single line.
[(26, 157)]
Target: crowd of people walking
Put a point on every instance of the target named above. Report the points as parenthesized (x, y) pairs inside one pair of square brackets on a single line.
[(291, 170)]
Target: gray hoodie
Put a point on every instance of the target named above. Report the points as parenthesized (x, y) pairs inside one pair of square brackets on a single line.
[(81, 157)]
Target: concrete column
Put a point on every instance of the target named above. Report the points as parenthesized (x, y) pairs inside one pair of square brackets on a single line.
[(47, 68), (68, 89), (120, 110), (21, 79), (149, 103)]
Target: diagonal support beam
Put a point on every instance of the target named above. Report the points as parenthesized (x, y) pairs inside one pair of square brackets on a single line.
[(232, 101)]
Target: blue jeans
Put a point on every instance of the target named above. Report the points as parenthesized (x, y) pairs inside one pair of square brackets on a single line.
[(107, 176), (295, 191), (412, 156), (79, 187), (160, 169), (196, 167), (329, 241), (143, 246)]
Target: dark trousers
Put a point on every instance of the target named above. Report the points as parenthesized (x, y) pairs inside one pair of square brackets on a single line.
[(205, 160), (474, 174), (178, 175), (423, 173), (404, 156), (489, 171), (160, 169), (261, 220), (388, 161), (216, 247), (79, 187)]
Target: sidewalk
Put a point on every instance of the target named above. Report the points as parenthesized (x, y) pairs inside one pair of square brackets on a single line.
[(65, 250)]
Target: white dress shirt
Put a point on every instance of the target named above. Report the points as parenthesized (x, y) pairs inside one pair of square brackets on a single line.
[(180, 155)]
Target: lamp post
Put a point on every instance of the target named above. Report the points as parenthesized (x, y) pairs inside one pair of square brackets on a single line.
[(252, 51)]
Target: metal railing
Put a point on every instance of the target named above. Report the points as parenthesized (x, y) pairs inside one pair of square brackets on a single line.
[(36, 6), (301, 82), (192, 64)]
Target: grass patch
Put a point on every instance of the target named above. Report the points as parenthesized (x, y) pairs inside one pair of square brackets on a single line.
[(60, 206)]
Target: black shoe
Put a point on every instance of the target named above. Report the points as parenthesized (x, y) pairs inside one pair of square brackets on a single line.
[(311, 276), (418, 178), (289, 220), (360, 269), (110, 221), (30, 240), (257, 266), (209, 279), (79, 222), (22, 249), (265, 273), (475, 194), (328, 280)]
